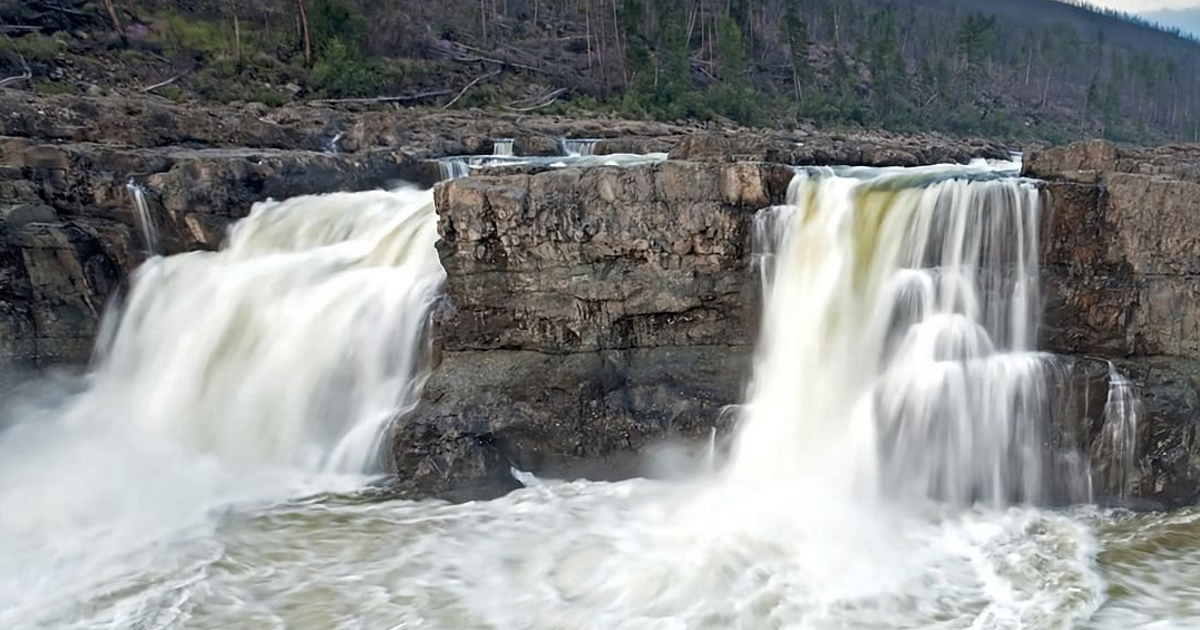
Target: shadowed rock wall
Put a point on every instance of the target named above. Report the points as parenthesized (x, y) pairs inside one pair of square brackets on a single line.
[(1122, 275)]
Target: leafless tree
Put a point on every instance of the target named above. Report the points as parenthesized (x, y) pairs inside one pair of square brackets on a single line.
[(306, 31)]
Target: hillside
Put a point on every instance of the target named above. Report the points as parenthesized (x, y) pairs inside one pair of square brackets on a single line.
[(1036, 69)]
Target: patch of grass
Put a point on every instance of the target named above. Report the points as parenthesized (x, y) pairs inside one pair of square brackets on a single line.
[(218, 84), (203, 36), (51, 88), (173, 93), (479, 96), (33, 46)]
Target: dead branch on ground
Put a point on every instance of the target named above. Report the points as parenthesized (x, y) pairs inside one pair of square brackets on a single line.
[(469, 86), (403, 98), (167, 82), (26, 75), (550, 99)]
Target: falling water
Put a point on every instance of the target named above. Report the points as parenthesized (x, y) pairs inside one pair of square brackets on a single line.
[(294, 344), (453, 168), (582, 147), (1117, 444), (897, 349), (503, 147), (144, 219), (333, 146)]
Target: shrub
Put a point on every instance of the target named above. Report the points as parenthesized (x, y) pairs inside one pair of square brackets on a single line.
[(339, 72)]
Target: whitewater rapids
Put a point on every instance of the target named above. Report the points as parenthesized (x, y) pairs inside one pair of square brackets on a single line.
[(196, 480)]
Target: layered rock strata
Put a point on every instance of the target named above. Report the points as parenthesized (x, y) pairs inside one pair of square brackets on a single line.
[(589, 313), (68, 233), (1122, 273)]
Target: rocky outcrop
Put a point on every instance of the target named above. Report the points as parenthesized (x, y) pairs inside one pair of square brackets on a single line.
[(424, 134), (1122, 269), (589, 312), (864, 149), (55, 277)]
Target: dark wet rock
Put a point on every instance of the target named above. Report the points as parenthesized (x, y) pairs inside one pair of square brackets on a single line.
[(55, 279), (562, 415)]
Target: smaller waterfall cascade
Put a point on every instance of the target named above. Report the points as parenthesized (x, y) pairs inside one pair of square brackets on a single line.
[(503, 147), (144, 219), (453, 168), (334, 146), (294, 345), (897, 353), (1117, 446), (582, 147)]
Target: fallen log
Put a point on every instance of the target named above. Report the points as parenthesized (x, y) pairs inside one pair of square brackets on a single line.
[(26, 76), (552, 98), (167, 82), (403, 98)]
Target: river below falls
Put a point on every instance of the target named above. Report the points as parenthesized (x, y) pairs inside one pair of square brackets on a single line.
[(191, 547)]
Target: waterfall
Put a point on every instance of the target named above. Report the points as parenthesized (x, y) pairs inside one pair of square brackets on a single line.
[(453, 168), (896, 355), (503, 147), (144, 220), (294, 345), (1117, 446), (333, 146), (582, 147)]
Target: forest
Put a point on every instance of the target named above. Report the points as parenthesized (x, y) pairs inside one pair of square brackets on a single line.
[(1023, 69)]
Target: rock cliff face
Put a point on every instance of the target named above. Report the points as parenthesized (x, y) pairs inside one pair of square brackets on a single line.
[(588, 314), (424, 134), (591, 313), (1122, 268), (68, 234)]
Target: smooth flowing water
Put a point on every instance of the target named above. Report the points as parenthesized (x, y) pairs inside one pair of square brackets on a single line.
[(145, 220), (211, 472), (461, 166), (579, 147), (503, 147)]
